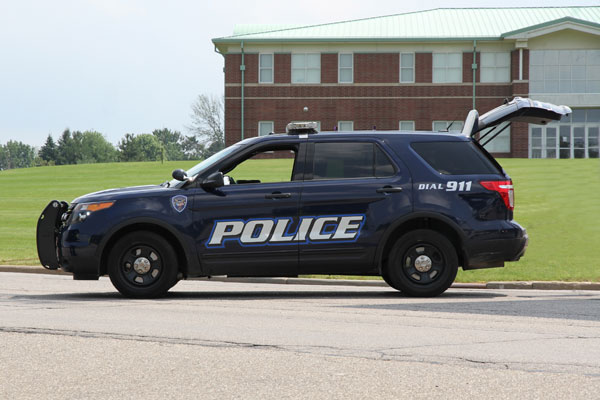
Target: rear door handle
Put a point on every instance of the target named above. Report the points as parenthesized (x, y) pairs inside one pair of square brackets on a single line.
[(278, 195), (389, 189)]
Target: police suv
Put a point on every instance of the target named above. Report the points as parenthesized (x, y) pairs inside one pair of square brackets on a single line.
[(410, 207)]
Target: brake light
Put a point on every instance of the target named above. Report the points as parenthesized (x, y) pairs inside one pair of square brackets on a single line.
[(506, 190)]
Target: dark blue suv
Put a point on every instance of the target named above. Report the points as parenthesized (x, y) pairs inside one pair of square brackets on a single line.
[(410, 207)]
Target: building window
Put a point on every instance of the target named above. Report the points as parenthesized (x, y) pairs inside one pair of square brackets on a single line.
[(407, 126), (345, 68), (564, 71), (265, 127), (306, 68), (447, 126), (495, 67), (407, 67), (345, 126), (576, 136), (265, 68), (447, 67), (500, 144)]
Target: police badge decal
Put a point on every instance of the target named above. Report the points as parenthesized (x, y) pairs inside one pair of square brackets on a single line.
[(179, 202)]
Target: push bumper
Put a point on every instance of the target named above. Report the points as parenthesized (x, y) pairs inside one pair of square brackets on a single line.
[(507, 245), (48, 234)]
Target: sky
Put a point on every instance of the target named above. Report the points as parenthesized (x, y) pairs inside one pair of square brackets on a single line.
[(132, 66)]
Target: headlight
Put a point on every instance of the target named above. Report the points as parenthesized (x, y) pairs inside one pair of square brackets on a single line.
[(83, 210)]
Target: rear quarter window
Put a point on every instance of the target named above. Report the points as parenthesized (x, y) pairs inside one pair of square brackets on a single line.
[(455, 158)]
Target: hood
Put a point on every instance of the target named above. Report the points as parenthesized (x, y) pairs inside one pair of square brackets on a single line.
[(119, 193)]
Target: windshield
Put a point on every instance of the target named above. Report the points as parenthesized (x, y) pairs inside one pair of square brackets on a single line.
[(207, 163)]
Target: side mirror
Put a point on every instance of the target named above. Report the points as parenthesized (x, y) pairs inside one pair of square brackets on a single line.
[(179, 174), (213, 181)]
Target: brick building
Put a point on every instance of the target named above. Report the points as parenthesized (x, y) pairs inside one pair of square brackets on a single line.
[(420, 71)]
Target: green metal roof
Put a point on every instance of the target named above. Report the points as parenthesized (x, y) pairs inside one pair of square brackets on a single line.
[(442, 23)]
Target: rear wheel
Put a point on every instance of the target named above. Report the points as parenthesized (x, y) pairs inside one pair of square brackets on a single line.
[(142, 265), (422, 263)]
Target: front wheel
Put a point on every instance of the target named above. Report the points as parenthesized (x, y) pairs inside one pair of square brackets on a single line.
[(142, 265), (422, 263)]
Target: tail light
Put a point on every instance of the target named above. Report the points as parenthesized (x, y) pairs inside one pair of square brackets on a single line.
[(506, 190)]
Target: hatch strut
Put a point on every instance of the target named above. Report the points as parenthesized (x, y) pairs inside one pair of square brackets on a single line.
[(490, 132)]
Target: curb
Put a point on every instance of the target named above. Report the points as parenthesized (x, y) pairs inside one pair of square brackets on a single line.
[(533, 285)]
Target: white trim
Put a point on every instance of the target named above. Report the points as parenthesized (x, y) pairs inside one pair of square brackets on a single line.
[(521, 64), (340, 68), (272, 68), (414, 68), (555, 28)]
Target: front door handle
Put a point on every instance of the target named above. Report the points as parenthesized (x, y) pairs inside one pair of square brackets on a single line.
[(278, 195), (389, 189)]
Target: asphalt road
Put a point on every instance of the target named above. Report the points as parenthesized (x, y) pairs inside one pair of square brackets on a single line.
[(61, 338)]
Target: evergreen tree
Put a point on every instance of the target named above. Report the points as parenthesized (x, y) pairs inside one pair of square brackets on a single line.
[(49, 151), (67, 152)]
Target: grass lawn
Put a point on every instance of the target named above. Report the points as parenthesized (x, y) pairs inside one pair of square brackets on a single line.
[(558, 201)]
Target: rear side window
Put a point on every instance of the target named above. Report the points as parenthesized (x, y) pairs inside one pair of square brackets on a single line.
[(350, 160), (455, 158)]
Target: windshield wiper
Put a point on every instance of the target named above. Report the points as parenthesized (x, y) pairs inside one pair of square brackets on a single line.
[(166, 183)]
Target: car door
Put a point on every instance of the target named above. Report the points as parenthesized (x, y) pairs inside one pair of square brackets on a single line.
[(245, 228), (353, 190)]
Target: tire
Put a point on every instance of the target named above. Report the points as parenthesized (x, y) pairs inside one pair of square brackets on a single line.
[(142, 265), (422, 263)]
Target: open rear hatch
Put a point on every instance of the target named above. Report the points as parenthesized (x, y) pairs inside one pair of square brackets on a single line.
[(518, 110)]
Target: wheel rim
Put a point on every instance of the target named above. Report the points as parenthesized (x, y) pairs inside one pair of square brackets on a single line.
[(423, 264), (141, 265)]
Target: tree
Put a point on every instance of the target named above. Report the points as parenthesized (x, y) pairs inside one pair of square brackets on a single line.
[(95, 149), (192, 148), (207, 122), (16, 155), (3, 158), (172, 142), (144, 147), (49, 151), (67, 149)]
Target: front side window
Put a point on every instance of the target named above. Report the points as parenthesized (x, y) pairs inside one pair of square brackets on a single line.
[(447, 67), (495, 67), (564, 71), (265, 68), (407, 67), (265, 127), (306, 68), (260, 167), (350, 160), (345, 68), (447, 126)]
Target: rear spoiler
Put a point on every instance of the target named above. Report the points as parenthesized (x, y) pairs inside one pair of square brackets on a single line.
[(518, 109)]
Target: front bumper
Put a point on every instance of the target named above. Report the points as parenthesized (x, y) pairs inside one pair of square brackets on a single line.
[(507, 245)]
